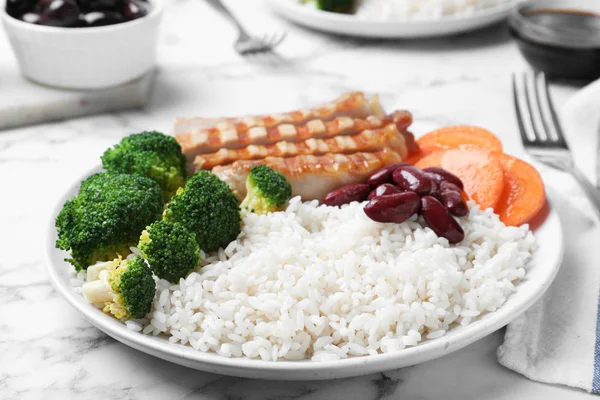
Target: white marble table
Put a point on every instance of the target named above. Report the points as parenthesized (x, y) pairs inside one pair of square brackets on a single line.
[(49, 351)]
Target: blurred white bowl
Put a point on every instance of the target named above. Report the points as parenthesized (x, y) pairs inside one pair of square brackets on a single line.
[(85, 58)]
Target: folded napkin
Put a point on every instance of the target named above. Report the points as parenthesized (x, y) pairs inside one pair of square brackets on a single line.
[(558, 339)]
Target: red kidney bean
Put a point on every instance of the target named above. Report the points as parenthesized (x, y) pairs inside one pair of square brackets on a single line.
[(446, 186), (434, 191), (347, 194), (451, 197), (384, 175), (412, 179), (397, 207), (454, 202), (439, 175), (440, 221), (384, 190)]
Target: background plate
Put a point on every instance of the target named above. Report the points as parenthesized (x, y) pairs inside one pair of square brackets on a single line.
[(353, 26), (542, 270)]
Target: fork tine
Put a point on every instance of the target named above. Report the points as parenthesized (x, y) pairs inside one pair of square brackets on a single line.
[(546, 127), (264, 39), (268, 41), (560, 137), (534, 109), (278, 39), (517, 104), (258, 44)]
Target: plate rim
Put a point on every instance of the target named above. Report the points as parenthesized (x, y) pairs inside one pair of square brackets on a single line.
[(281, 370), (309, 17)]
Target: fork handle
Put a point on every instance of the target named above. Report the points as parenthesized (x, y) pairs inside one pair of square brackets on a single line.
[(591, 191), (220, 7)]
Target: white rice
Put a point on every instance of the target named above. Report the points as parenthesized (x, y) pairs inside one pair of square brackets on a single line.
[(328, 283), (415, 10)]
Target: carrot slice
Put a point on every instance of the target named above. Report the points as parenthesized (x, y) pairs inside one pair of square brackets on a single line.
[(523, 196), (478, 168), (454, 136)]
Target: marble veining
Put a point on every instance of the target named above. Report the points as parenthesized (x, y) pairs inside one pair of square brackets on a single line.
[(48, 351)]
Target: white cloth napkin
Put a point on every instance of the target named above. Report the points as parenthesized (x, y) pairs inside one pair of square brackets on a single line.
[(558, 339)]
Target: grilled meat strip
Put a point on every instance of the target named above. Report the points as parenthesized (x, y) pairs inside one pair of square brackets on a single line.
[(311, 177), (369, 140), (353, 105), (212, 140)]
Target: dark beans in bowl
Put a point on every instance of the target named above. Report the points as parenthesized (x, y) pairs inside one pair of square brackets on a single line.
[(77, 13)]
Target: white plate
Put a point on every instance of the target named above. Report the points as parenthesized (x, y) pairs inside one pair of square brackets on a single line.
[(542, 270), (353, 26)]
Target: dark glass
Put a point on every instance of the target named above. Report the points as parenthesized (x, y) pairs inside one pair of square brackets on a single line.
[(560, 40)]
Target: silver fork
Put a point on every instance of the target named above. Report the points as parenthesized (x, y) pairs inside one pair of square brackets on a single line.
[(541, 132), (247, 44)]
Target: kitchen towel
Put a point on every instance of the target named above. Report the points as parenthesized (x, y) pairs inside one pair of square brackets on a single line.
[(558, 339)]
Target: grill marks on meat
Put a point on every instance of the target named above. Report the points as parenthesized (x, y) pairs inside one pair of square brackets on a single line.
[(311, 176), (353, 105), (316, 128), (317, 150), (213, 139), (366, 141), (200, 135)]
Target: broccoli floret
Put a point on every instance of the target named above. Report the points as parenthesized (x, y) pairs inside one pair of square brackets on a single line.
[(207, 207), (170, 249), (150, 154), (337, 6), (107, 216), (267, 190), (126, 291)]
